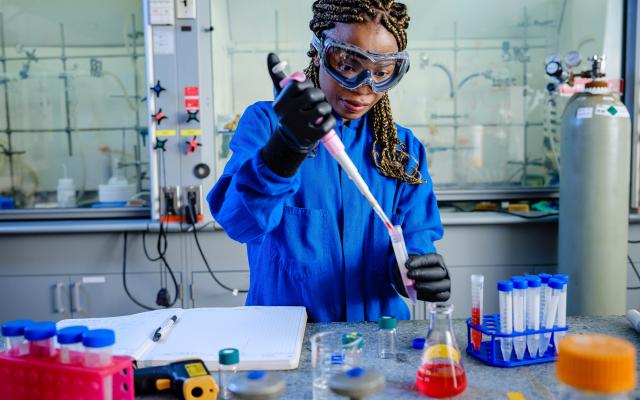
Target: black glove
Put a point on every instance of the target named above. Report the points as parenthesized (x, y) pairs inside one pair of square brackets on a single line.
[(430, 275), (298, 106)]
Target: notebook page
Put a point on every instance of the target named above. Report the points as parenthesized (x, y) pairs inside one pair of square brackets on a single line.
[(133, 332), (267, 337)]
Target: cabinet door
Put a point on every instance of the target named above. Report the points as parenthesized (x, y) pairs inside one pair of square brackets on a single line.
[(205, 292), (34, 297), (103, 295)]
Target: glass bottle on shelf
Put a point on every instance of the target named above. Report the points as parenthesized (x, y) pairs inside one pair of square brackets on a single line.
[(441, 373)]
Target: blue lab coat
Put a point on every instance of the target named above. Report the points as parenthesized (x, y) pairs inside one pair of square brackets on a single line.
[(312, 239)]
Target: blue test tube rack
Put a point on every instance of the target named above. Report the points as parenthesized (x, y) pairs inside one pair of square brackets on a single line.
[(489, 351)]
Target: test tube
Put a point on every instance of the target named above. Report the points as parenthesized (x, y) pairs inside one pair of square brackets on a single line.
[(70, 340), (387, 337), (229, 359), (477, 285), (561, 321), (545, 294), (505, 297), (533, 313), (98, 348), (519, 291), (550, 313), (13, 332), (40, 337)]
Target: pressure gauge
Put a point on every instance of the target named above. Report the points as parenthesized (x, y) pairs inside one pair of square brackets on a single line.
[(572, 59), (553, 57), (553, 69)]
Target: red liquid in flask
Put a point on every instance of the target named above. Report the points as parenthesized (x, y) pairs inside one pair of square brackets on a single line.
[(476, 336), (441, 380)]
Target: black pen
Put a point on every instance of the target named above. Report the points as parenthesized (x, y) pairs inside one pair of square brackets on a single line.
[(164, 328)]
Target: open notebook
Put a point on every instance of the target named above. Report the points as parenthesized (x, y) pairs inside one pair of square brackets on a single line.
[(267, 337)]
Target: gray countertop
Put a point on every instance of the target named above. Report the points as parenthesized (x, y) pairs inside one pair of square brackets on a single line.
[(484, 382)]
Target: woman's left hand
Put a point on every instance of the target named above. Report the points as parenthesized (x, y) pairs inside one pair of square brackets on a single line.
[(431, 277)]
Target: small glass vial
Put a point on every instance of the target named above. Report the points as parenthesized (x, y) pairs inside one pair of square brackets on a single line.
[(70, 340), (596, 367), (352, 345), (13, 332), (228, 359), (40, 337), (387, 336), (98, 348)]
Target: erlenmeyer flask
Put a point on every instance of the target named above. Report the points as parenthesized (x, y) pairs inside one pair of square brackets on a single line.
[(441, 373)]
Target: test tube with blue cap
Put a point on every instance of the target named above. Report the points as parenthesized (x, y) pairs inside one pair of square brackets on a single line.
[(550, 313), (98, 352), (545, 294), (561, 321), (13, 333), (40, 337), (533, 313), (505, 298), (519, 302), (70, 341)]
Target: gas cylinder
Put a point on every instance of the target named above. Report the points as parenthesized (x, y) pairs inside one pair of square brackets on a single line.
[(594, 199)]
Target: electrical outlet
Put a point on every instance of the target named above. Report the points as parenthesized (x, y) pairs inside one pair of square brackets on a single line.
[(193, 203), (170, 202)]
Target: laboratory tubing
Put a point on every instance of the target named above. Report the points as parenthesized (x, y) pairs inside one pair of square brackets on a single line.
[(505, 298), (545, 293), (387, 337), (40, 337), (477, 283), (441, 373), (561, 319), (550, 313), (352, 343), (519, 301), (70, 341), (533, 313), (229, 359), (98, 348), (13, 333), (596, 367)]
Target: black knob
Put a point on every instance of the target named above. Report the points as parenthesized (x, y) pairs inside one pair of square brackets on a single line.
[(157, 88), (192, 115)]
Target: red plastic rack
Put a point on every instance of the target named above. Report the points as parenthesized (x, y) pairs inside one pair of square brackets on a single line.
[(24, 378)]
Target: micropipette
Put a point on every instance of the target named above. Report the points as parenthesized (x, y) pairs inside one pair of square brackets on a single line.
[(519, 289), (334, 145)]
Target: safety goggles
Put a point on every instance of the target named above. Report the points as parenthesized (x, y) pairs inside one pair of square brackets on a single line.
[(353, 67)]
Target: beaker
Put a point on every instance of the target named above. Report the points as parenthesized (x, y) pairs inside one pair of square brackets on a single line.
[(441, 373), (329, 355)]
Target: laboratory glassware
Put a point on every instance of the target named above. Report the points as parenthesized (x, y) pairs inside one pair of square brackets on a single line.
[(477, 283), (505, 298)]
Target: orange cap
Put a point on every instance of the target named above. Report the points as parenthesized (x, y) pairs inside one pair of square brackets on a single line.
[(597, 363)]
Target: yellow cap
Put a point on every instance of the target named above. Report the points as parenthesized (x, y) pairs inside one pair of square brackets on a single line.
[(597, 363)]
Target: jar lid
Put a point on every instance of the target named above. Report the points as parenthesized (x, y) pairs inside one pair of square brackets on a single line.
[(387, 322), (533, 281), (564, 278), (99, 338), (597, 363), (519, 283), (505, 285), (15, 327), (544, 277), (40, 330), (71, 334), (555, 283), (228, 356)]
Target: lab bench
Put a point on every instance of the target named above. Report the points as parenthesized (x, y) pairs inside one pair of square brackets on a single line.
[(484, 382)]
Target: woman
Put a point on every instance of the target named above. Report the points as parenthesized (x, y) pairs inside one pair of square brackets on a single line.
[(312, 239)]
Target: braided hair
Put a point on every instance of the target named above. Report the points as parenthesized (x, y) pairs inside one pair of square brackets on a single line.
[(389, 154)]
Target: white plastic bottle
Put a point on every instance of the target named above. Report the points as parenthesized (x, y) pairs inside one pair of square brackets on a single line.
[(66, 193)]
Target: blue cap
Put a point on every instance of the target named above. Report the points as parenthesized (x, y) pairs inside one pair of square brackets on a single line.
[(519, 283), (99, 338), (15, 327), (533, 281), (256, 375), (71, 334), (517, 278), (555, 283), (505, 285), (544, 277), (564, 278), (40, 330), (355, 372), (418, 343)]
